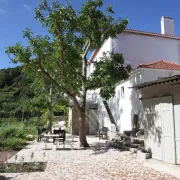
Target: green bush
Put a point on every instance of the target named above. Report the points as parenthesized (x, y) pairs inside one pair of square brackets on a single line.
[(36, 122), (12, 143), (7, 121), (14, 135), (12, 131)]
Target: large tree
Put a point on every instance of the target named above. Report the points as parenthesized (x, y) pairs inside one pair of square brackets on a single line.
[(61, 56)]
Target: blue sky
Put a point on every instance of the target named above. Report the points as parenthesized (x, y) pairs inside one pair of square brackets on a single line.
[(16, 15)]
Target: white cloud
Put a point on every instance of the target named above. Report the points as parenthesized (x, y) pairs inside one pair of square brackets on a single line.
[(2, 12), (27, 7)]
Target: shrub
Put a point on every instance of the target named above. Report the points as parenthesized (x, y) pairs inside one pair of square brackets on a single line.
[(12, 143), (14, 130), (36, 122), (13, 136), (7, 121)]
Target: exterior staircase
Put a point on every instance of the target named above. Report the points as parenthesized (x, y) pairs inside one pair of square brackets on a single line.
[(109, 113)]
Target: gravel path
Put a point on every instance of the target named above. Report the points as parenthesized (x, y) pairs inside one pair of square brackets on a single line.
[(97, 162)]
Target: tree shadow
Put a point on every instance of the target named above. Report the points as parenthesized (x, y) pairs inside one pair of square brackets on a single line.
[(148, 118), (151, 123), (136, 103), (101, 148), (116, 108)]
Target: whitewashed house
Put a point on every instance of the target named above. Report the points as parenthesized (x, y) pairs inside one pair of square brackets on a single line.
[(138, 48), (153, 57), (161, 123), (143, 47), (127, 100)]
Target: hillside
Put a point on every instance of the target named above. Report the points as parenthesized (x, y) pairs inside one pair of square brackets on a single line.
[(16, 92)]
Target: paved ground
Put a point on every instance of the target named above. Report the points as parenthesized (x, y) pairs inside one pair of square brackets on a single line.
[(98, 162), (6, 154)]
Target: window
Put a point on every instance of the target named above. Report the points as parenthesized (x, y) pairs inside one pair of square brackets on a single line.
[(122, 92)]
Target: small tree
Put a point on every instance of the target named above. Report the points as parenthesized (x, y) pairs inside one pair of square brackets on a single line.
[(48, 96), (62, 56)]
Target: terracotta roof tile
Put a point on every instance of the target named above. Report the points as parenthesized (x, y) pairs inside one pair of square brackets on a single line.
[(161, 65)]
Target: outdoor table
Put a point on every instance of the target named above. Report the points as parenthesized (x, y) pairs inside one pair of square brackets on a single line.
[(47, 136)]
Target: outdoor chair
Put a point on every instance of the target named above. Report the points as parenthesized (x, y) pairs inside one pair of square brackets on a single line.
[(61, 137), (103, 133), (41, 132), (69, 140)]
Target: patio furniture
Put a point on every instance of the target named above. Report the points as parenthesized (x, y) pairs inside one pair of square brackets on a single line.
[(103, 133), (41, 132), (61, 135), (49, 136), (69, 140)]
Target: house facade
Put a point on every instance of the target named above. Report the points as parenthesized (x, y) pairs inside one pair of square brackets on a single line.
[(153, 57), (127, 101), (161, 123), (138, 48)]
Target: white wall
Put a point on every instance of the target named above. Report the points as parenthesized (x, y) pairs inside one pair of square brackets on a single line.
[(136, 49), (154, 74), (139, 49), (106, 47), (123, 109)]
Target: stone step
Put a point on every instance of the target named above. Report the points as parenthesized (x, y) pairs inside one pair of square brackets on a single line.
[(118, 146), (137, 141), (131, 149), (126, 144)]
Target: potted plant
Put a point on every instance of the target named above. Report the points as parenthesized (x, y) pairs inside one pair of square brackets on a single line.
[(146, 152)]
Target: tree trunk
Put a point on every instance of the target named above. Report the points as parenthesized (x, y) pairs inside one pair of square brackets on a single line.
[(50, 118), (82, 122), (82, 110), (51, 110), (82, 131)]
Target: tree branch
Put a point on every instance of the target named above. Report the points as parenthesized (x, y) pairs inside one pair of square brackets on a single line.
[(86, 49), (76, 103), (53, 80)]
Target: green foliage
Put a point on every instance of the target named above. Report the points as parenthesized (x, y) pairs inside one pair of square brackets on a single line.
[(17, 94), (14, 134), (13, 131), (59, 57), (12, 144), (37, 121), (108, 71)]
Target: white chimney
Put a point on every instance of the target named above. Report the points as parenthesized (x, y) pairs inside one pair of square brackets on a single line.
[(167, 26)]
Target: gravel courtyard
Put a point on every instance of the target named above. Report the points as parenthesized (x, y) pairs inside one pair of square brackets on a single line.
[(98, 162)]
